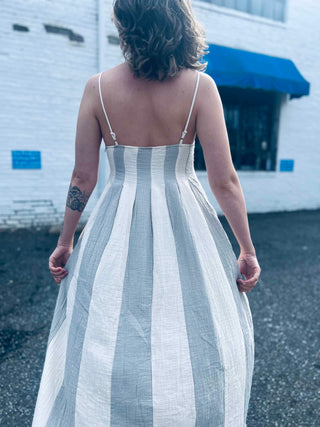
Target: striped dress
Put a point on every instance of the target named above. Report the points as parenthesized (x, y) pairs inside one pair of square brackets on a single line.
[(149, 327)]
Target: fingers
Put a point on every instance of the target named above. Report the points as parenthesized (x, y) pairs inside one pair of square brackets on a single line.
[(51, 264), (58, 273), (247, 285), (56, 261), (250, 268), (58, 279), (245, 288), (57, 270), (249, 282)]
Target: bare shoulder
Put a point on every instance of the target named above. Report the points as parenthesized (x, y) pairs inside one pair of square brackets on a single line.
[(207, 83), (90, 94), (106, 75), (92, 83), (209, 96)]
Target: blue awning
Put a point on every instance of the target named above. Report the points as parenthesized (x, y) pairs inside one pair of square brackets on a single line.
[(236, 67)]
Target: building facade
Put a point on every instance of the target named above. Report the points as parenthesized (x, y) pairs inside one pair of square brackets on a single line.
[(52, 48)]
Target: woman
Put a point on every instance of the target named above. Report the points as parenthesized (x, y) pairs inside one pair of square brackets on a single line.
[(152, 325)]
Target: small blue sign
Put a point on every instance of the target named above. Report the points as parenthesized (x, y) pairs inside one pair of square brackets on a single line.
[(26, 159), (286, 165)]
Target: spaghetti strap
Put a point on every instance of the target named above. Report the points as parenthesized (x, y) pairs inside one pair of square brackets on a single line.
[(191, 108), (106, 116), (183, 132)]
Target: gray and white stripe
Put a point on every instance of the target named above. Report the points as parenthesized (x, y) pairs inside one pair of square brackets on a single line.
[(149, 328)]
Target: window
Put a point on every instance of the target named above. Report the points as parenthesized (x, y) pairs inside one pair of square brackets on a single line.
[(272, 9), (251, 117)]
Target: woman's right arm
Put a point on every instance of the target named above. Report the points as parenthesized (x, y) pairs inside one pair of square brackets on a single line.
[(222, 176)]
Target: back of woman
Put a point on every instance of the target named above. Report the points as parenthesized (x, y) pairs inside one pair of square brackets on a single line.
[(144, 113), (152, 325)]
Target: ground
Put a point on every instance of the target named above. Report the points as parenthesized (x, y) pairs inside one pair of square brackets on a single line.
[(284, 303)]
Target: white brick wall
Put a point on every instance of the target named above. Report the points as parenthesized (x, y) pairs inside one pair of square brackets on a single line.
[(42, 81), (299, 128)]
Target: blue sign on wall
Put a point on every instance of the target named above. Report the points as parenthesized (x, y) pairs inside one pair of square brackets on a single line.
[(286, 165), (26, 159)]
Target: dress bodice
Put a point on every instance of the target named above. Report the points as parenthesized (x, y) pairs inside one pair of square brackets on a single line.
[(175, 161)]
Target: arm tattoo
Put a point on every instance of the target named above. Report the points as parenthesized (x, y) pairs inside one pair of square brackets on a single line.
[(77, 199)]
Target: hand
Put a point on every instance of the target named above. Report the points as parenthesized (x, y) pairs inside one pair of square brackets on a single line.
[(250, 268), (58, 260)]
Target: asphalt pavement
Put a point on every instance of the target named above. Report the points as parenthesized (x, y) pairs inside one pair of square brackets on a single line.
[(284, 304)]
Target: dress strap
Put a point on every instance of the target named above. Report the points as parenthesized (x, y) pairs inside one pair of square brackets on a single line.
[(194, 98), (111, 131)]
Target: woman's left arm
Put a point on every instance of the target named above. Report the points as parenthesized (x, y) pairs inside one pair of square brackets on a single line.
[(84, 176)]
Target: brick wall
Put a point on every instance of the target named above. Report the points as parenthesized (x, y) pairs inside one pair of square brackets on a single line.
[(299, 130), (50, 51)]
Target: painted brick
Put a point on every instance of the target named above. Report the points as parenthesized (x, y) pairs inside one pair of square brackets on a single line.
[(299, 125)]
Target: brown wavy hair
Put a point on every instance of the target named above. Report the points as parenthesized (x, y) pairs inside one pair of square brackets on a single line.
[(158, 38)]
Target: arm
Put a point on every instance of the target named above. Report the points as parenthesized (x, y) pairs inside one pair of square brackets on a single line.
[(222, 176), (85, 172)]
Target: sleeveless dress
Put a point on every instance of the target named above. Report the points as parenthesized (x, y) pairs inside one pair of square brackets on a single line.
[(149, 327)]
